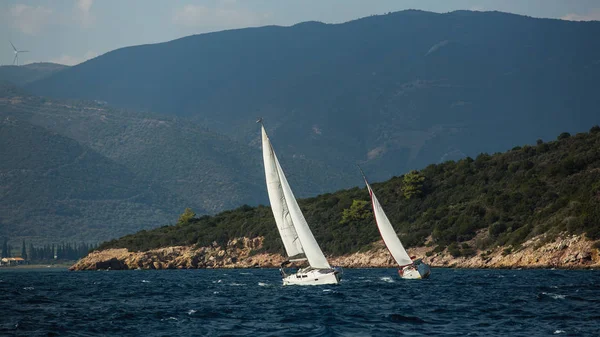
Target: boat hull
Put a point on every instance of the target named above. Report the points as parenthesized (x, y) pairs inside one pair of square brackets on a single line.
[(421, 271), (312, 277)]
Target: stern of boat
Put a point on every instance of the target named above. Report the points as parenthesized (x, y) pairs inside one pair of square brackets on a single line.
[(424, 270)]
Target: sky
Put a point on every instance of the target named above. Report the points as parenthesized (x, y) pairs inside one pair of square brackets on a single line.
[(72, 31)]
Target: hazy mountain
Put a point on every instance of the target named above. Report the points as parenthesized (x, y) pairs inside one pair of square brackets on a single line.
[(394, 91), (207, 170), (187, 162), (52, 189), (21, 75)]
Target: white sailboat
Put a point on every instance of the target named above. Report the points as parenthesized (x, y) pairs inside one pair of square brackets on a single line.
[(297, 238), (408, 269)]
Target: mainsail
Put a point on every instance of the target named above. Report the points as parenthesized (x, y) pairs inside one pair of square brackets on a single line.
[(293, 228), (388, 233)]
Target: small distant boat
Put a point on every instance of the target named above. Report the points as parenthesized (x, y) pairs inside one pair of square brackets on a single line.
[(408, 267), (298, 240)]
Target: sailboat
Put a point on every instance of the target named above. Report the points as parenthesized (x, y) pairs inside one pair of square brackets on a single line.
[(298, 240), (408, 269)]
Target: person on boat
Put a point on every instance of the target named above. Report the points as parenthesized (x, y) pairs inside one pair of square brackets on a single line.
[(282, 267), (409, 266)]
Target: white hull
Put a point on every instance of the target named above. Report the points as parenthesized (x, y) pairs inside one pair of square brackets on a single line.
[(312, 277), (412, 272)]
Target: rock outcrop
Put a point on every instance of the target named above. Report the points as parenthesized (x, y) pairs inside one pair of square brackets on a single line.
[(238, 253), (565, 252)]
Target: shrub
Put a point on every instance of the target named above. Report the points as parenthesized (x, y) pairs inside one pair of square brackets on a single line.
[(563, 135), (454, 250)]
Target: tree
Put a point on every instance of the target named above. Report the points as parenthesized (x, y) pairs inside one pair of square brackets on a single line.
[(412, 184), (564, 135), (186, 216), (359, 210), (5, 248), (23, 251), (32, 253)]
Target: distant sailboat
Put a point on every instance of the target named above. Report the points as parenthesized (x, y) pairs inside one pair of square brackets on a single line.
[(298, 240), (408, 268)]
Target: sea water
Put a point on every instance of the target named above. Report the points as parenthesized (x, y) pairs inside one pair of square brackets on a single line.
[(243, 302)]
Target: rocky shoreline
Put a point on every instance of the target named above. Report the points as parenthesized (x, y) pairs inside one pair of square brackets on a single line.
[(566, 252)]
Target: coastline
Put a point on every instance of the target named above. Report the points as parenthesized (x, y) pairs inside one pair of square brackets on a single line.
[(39, 266), (566, 252)]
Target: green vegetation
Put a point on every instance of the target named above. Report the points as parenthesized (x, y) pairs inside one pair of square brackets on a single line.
[(5, 250), (359, 210), (47, 252), (412, 184), (186, 216), (545, 189)]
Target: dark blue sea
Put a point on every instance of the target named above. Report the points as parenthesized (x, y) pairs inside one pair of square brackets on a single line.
[(368, 302)]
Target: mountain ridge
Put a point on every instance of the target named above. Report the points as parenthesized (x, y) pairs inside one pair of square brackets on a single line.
[(400, 90), (22, 75)]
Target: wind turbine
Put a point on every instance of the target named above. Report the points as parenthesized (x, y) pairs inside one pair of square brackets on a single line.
[(16, 59)]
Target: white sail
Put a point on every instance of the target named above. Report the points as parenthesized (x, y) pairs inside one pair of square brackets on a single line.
[(305, 238), (388, 233), (279, 207)]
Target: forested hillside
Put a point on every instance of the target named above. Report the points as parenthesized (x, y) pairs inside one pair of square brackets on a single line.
[(160, 159), (394, 92), (501, 199), (53, 189)]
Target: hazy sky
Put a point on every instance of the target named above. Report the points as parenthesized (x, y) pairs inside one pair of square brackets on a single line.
[(70, 32)]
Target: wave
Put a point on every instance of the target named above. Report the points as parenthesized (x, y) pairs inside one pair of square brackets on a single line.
[(554, 296), (169, 319), (397, 318), (196, 303)]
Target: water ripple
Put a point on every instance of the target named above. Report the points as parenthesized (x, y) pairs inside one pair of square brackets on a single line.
[(372, 302)]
